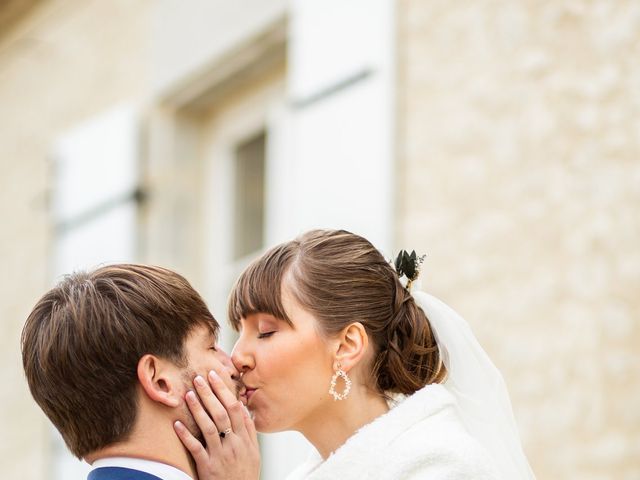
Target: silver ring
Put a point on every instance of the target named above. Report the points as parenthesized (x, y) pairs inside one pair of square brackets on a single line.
[(225, 433)]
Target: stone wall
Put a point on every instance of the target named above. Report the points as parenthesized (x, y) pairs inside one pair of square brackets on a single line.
[(519, 176)]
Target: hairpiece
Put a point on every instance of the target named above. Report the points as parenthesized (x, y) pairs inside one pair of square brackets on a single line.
[(407, 266)]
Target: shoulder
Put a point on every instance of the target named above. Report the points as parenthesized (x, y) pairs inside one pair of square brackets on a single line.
[(421, 437), (436, 443), (120, 473), (437, 450)]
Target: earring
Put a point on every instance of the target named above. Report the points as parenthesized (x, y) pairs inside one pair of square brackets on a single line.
[(347, 384)]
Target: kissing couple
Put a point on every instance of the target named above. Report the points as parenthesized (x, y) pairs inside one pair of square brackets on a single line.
[(335, 342)]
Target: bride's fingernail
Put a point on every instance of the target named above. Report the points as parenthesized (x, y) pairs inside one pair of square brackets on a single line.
[(213, 374), (199, 381)]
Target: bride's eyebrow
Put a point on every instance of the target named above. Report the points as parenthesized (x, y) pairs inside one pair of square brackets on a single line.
[(256, 318)]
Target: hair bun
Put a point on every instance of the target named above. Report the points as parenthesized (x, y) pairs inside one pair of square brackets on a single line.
[(411, 359)]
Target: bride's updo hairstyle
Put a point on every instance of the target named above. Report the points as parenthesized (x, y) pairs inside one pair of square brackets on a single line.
[(342, 278)]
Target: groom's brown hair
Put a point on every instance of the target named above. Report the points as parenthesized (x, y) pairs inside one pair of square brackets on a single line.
[(82, 342)]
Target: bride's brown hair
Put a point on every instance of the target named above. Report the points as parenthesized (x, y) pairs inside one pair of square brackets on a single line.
[(342, 278)]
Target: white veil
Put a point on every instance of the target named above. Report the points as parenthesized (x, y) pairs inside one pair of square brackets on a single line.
[(481, 395)]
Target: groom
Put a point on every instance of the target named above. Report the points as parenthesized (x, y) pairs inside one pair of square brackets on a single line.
[(110, 355)]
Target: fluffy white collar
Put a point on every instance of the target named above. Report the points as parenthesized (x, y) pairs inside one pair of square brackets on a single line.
[(376, 436)]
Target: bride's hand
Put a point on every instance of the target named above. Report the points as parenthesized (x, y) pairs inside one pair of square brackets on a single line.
[(232, 450)]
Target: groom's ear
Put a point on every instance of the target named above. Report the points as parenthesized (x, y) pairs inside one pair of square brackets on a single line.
[(159, 379), (352, 346)]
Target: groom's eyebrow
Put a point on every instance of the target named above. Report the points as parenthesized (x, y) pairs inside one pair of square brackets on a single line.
[(213, 336)]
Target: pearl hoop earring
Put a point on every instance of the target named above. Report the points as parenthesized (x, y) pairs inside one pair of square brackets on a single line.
[(347, 384)]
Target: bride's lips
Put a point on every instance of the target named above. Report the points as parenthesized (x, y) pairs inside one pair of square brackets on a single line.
[(249, 393)]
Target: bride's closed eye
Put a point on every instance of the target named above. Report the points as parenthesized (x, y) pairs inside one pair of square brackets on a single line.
[(267, 326)]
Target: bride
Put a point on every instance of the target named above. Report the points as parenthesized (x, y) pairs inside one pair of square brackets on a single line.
[(385, 381)]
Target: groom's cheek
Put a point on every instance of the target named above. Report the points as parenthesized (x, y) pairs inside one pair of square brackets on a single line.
[(234, 387), (190, 422)]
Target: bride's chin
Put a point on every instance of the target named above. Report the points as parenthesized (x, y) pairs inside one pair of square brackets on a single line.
[(263, 426)]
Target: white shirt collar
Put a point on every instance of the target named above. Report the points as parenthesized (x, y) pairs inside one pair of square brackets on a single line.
[(162, 470)]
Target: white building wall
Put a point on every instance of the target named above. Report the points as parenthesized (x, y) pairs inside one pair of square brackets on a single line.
[(187, 40), (95, 213), (341, 91), (329, 135), (334, 151), (329, 149)]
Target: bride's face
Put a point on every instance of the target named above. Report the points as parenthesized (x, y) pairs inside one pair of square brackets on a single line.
[(286, 368)]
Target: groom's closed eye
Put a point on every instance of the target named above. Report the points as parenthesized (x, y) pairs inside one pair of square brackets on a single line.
[(212, 340)]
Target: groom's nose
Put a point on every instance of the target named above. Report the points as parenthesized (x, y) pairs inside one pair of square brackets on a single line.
[(231, 368)]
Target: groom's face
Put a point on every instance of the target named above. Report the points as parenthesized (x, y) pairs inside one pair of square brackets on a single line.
[(203, 355)]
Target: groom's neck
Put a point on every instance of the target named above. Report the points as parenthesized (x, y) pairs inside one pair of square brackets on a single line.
[(150, 440)]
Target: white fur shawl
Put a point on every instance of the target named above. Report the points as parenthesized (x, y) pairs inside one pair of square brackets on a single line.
[(420, 438)]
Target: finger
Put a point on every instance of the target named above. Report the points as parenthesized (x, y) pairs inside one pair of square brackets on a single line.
[(226, 396), (204, 422), (216, 410), (233, 406), (251, 430), (191, 443)]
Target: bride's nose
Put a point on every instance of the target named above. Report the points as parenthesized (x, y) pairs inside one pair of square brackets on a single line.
[(242, 358)]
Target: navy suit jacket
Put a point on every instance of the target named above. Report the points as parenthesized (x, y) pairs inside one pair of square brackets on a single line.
[(120, 473)]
